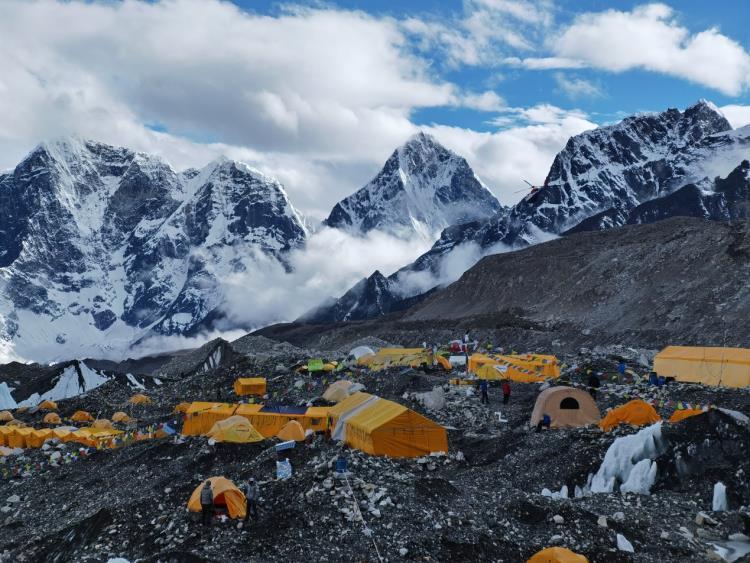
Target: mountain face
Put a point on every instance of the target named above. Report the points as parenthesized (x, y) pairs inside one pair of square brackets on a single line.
[(422, 188), (100, 244), (646, 168)]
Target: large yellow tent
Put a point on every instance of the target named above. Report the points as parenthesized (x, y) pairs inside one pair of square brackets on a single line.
[(36, 438), (121, 417), (225, 493), (5, 416), (52, 418), (48, 405), (636, 413), (139, 399), (17, 438), (5, 431), (292, 430), (523, 368), (381, 427), (250, 386), (200, 417), (82, 416), (235, 430), (557, 555), (679, 415), (727, 367)]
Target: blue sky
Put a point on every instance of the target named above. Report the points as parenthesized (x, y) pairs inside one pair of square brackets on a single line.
[(619, 93), (318, 95)]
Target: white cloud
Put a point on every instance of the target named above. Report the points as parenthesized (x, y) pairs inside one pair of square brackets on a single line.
[(575, 87), (650, 37), (737, 115), (486, 101), (544, 63)]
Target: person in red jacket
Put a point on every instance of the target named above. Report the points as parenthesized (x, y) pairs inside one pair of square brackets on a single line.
[(506, 392)]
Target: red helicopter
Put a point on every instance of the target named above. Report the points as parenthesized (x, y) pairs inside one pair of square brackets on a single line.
[(532, 189)]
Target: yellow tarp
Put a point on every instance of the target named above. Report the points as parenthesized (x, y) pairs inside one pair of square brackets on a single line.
[(200, 417), (139, 399), (679, 415), (236, 430), (524, 368), (81, 416), (727, 367), (443, 362), (635, 413), (557, 555), (292, 430), (382, 427), (48, 405), (396, 357), (225, 493), (52, 418), (250, 386)]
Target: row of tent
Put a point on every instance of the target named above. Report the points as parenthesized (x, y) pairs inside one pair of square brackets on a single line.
[(18, 437), (52, 418), (200, 417), (573, 407), (238, 430)]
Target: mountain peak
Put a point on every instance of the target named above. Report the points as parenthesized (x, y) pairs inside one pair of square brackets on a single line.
[(421, 189)]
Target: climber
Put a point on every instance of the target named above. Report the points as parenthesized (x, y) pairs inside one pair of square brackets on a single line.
[(545, 422), (207, 503), (506, 392), (252, 493), (483, 386), (594, 384)]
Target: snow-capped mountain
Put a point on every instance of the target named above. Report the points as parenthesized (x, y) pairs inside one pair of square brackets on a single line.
[(101, 246), (422, 188), (646, 168)]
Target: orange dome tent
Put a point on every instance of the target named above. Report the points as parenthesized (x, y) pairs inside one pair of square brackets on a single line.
[(636, 412), (82, 416), (52, 418), (292, 430), (139, 399), (225, 493), (120, 416), (679, 415), (102, 424), (5, 416), (48, 405), (557, 555)]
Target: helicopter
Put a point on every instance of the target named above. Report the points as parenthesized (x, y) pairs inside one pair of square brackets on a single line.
[(532, 189)]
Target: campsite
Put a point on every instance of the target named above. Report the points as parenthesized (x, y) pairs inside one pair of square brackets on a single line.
[(431, 472)]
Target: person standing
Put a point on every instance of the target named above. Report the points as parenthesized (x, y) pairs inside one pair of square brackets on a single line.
[(207, 503), (506, 392), (483, 387), (252, 493), (594, 384)]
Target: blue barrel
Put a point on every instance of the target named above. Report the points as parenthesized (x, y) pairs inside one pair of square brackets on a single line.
[(341, 464)]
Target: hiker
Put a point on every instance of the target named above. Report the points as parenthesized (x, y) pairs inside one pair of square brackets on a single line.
[(483, 386), (207, 503), (506, 392), (545, 423), (434, 354), (252, 493), (594, 384)]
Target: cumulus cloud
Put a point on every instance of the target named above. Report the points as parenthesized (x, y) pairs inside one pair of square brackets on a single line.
[(650, 37), (737, 115), (575, 87)]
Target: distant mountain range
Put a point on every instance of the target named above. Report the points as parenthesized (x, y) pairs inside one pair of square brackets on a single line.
[(646, 168)]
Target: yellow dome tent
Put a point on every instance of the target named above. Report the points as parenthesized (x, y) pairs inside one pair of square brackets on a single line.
[(48, 405), (225, 493), (139, 399), (200, 417), (250, 386), (235, 430), (557, 555), (636, 412), (728, 367), (102, 424), (679, 415), (292, 430), (5, 416), (337, 391), (120, 416), (82, 416), (52, 418)]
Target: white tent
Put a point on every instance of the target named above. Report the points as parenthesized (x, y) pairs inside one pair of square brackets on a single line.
[(360, 351)]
